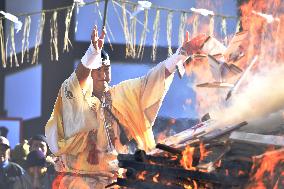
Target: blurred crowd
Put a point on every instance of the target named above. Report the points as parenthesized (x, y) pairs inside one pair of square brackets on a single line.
[(29, 165)]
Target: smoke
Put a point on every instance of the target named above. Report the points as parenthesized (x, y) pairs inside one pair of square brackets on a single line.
[(262, 95)]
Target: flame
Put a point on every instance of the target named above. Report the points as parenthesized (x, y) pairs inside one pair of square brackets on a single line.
[(120, 172), (172, 121), (174, 157), (187, 158), (241, 173), (263, 21), (194, 183), (187, 186), (203, 152), (155, 178), (141, 176), (161, 136), (227, 172), (267, 167)]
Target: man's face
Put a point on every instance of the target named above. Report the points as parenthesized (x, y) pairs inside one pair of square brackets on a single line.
[(4, 153), (38, 145), (102, 74)]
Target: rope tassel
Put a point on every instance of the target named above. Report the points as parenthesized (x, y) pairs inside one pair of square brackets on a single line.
[(2, 43), (54, 37), (169, 32), (143, 35), (13, 46), (38, 38), (25, 40), (211, 26), (195, 25), (224, 29), (182, 24), (156, 28), (67, 41)]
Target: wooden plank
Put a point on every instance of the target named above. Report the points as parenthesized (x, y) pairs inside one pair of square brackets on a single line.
[(140, 184), (253, 138), (183, 173), (169, 149), (221, 132)]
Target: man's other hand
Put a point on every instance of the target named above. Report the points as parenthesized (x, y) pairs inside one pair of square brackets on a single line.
[(195, 44)]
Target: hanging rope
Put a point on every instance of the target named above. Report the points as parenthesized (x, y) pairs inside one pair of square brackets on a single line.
[(54, 37), (224, 30), (143, 35), (169, 32), (182, 25), (211, 26), (2, 43), (195, 25), (156, 29), (133, 33), (25, 40), (129, 30), (13, 47), (38, 38), (67, 41)]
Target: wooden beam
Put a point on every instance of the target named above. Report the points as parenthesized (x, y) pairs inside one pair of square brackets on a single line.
[(141, 184), (176, 173), (253, 138)]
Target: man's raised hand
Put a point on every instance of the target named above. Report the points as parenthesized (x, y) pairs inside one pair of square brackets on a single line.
[(98, 42), (195, 44)]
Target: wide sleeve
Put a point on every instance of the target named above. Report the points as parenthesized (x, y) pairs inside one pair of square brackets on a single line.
[(136, 103), (54, 131), (65, 128)]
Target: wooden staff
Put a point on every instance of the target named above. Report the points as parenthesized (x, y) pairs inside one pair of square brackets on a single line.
[(105, 13)]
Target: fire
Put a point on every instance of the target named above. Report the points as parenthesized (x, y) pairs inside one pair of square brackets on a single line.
[(187, 158), (263, 21), (174, 157), (141, 176), (161, 136), (203, 152), (188, 186), (172, 121), (267, 169), (241, 172), (155, 178)]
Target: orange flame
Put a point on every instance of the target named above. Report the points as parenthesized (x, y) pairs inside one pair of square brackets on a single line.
[(155, 178), (263, 21), (187, 158), (141, 176), (267, 170), (203, 151)]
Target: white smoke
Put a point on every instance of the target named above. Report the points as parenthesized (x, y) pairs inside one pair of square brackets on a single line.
[(262, 95)]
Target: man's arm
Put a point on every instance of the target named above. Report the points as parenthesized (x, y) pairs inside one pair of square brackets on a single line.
[(188, 48), (91, 58)]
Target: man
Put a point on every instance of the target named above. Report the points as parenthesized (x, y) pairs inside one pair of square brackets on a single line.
[(11, 174), (38, 142), (19, 154), (89, 117), (37, 176)]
